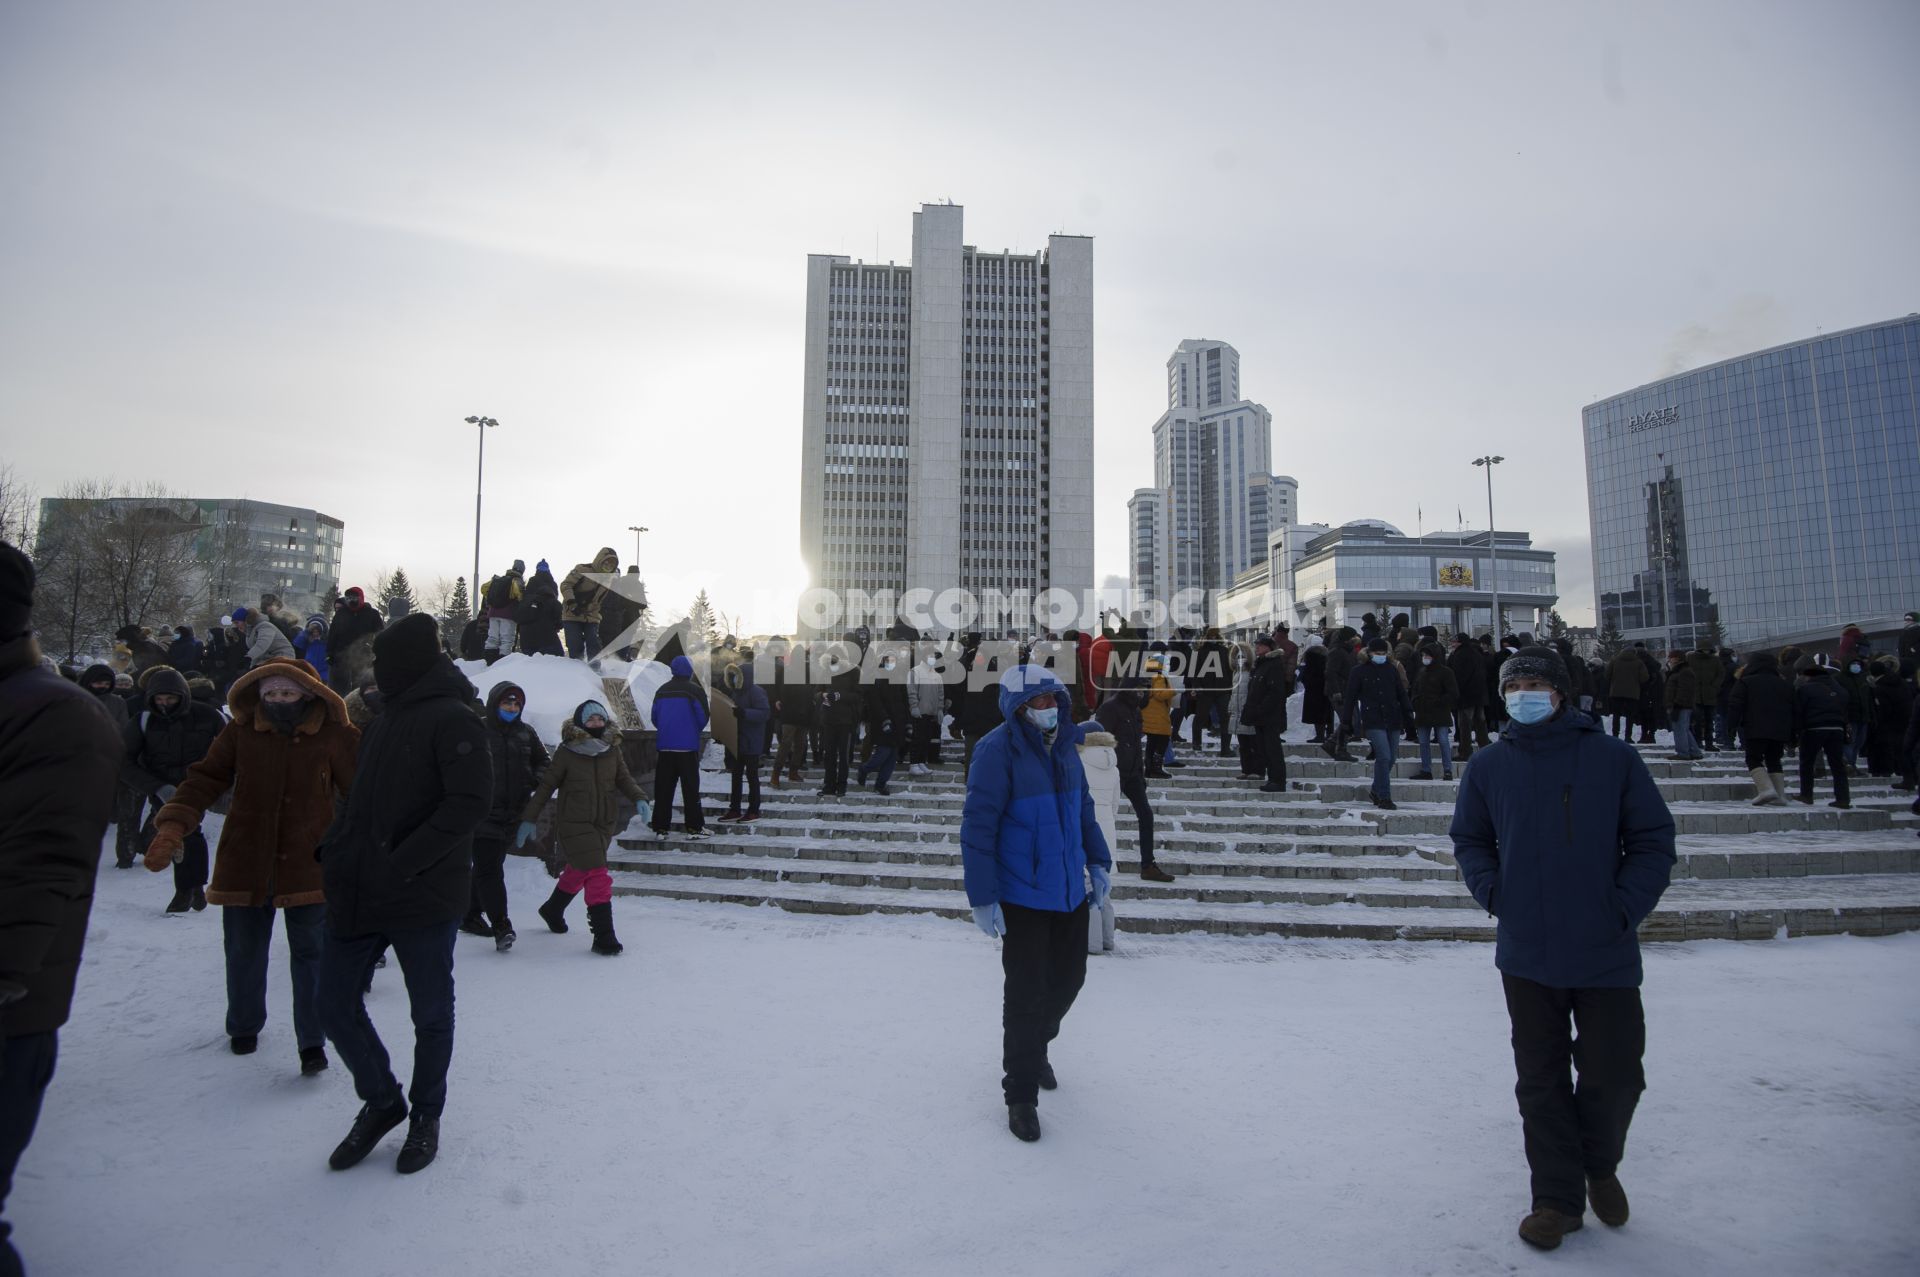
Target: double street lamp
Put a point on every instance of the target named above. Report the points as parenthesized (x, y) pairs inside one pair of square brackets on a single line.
[(1493, 555), (473, 588)]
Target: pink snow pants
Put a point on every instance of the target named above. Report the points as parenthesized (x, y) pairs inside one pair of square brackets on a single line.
[(598, 883)]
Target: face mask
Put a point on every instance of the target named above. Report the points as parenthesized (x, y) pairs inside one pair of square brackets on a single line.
[(1426, 660), (508, 715), (596, 732), (1529, 707), (285, 715), (1853, 669), (1379, 658), (1045, 719)]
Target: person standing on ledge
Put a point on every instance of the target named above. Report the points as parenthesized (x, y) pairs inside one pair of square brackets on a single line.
[(1029, 841), (1561, 834)]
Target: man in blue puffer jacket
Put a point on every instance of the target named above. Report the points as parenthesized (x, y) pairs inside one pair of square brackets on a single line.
[(1029, 841), (1561, 834), (680, 714)]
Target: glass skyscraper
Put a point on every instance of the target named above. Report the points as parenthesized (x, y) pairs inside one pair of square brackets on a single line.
[(1762, 498)]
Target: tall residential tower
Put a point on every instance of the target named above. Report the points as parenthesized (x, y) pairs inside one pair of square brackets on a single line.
[(948, 425)]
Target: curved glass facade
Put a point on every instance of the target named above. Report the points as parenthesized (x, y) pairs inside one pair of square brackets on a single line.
[(1768, 495)]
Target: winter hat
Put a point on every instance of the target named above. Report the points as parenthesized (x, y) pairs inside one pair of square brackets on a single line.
[(520, 566), (239, 616), (587, 710), (1537, 662), (1263, 640), (404, 652), (1913, 618), (281, 683), (543, 567), (1378, 645), (16, 593)]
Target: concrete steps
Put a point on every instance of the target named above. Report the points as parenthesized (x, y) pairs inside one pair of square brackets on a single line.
[(1316, 860)]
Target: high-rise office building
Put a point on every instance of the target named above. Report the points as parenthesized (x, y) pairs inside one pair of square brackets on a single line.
[(1212, 463), (947, 436), (1147, 557), (1763, 500)]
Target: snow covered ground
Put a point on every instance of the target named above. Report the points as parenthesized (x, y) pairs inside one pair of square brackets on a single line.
[(747, 1091)]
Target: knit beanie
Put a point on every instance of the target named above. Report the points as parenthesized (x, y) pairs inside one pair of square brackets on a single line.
[(520, 566), (404, 652), (1379, 645), (587, 710), (1538, 662), (16, 593)]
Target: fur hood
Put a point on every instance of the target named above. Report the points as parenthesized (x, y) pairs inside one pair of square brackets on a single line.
[(574, 737), (243, 698), (1096, 740)]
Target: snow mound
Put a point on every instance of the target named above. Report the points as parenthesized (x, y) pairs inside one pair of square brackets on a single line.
[(554, 685)]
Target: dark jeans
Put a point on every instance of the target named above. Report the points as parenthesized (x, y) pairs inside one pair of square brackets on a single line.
[(1044, 957), (926, 740), (1204, 706), (1833, 744), (1157, 754), (1575, 1132), (1386, 747), (1469, 725), (583, 639), (1624, 709), (747, 769), (884, 757), (681, 767), (791, 755), (490, 881), (426, 963), (1273, 752), (836, 751), (1766, 753), (26, 1066), (1253, 761), (1135, 789), (191, 869), (248, 933), (1703, 727)]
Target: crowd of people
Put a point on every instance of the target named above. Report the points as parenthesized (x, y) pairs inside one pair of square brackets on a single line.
[(370, 797)]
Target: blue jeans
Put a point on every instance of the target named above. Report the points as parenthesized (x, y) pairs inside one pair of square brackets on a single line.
[(884, 757), (426, 963), (1386, 745), (1683, 734), (26, 1066), (583, 639), (1428, 735), (248, 933), (1856, 742)]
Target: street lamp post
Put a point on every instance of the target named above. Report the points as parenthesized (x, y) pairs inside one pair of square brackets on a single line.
[(636, 542), (484, 424), (1493, 554)]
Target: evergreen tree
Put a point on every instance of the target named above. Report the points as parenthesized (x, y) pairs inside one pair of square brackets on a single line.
[(459, 609), (1556, 625), (700, 621), (1608, 644), (396, 594)]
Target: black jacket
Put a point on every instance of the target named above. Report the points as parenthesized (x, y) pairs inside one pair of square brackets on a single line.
[(1436, 694), (979, 711), (1212, 667), (1267, 689), (59, 763), (519, 760), (1121, 718), (888, 713), (184, 653), (1760, 707), (792, 699), (401, 855), (160, 747), (350, 625), (538, 616), (1469, 672), (1819, 704), (1377, 698)]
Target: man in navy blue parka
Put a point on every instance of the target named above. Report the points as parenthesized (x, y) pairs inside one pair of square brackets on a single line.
[(1561, 834), (1029, 842)]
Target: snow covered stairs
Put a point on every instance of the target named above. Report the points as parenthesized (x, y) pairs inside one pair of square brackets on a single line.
[(1318, 860)]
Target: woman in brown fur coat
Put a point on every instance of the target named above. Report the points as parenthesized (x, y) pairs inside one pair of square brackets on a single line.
[(287, 753)]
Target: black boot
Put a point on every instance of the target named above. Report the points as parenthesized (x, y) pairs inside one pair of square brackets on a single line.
[(554, 911), (503, 936), (368, 1128), (313, 1059), (182, 900), (1024, 1121), (199, 901), (600, 922), (474, 925), (422, 1146)]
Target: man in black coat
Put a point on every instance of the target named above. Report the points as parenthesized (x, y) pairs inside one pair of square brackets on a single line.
[(1381, 708), (1820, 725), (1470, 718), (354, 619), (1760, 713), (170, 735), (59, 767), (1266, 708), (1119, 714), (519, 760), (398, 871)]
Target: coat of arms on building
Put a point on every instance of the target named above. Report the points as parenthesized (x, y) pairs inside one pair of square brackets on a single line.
[(1456, 576)]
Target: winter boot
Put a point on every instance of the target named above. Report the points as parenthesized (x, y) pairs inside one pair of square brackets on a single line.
[(1546, 1226), (244, 1043), (554, 911), (1764, 795), (600, 922), (474, 925), (1154, 873), (313, 1060), (1609, 1200), (199, 901), (422, 1146), (368, 1128), (503, 936), (1024, 1121), (1048, 1082), (1779, 782), (182, 901)]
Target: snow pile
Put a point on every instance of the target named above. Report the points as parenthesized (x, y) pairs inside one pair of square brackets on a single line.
[(554, 685), (751, 1091)]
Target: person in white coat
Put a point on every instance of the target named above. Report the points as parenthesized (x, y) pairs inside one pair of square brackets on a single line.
[(927, 694), (1102, 765)]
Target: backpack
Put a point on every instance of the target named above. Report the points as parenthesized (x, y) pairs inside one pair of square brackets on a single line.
[(500, 592)]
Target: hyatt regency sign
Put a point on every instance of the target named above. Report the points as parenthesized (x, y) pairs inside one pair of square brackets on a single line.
[(1648, 420)]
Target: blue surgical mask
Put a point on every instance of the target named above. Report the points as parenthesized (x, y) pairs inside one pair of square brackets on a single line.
[(1045, 719), (1529, 707), (508, 715), (1853, 669), (1379, 658)]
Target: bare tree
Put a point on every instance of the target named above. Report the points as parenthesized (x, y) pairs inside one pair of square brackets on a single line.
[(111, 556), (228, 553), (18, 506)]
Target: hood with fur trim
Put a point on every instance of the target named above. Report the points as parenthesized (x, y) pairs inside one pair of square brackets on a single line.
[(243, 698)]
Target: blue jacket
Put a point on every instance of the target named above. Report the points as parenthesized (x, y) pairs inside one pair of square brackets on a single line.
[(1562, 835), (1028, 829), (314, 652), (679, 709), (751, 709)]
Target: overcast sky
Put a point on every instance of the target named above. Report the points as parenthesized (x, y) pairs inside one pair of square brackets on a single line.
[(279, 250)]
